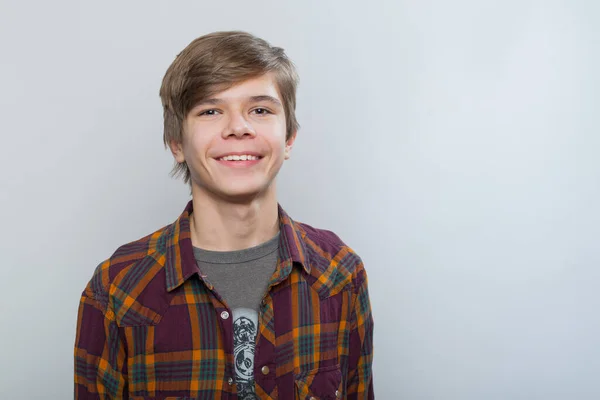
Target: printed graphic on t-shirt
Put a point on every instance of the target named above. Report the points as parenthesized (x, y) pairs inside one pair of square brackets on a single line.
[(245, 323)]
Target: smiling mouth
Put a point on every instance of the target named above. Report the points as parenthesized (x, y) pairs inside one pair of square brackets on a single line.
[(239, 161), (244, 157)]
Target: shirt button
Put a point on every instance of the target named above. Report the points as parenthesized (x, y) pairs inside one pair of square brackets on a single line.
[(224, 315), (230, 381), (265, 370)]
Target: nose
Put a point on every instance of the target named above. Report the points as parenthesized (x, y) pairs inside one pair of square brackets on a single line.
[(238, 126)]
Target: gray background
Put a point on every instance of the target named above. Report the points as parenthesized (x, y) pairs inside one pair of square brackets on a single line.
[(453, 145)]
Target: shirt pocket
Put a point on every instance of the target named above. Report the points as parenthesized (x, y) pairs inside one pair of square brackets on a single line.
[(320, 384)]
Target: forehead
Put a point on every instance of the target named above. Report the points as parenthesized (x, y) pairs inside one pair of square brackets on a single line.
[(261, 85)]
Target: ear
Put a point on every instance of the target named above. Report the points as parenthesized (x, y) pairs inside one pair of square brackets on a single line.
[(177, 150), (288, 145)]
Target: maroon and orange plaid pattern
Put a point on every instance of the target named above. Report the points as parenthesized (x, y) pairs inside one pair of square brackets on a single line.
[(151, 326)]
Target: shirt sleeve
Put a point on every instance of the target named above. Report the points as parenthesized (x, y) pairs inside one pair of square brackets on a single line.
[(360, 360), (100, 367)]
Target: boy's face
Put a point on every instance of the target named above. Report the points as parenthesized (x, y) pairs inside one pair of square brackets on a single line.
[(245, 120)]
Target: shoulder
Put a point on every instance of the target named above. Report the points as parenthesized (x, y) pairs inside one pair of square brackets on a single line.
[(129, 261), (333, 263)]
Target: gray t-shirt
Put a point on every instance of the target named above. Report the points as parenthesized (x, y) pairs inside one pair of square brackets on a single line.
[(241, 277)]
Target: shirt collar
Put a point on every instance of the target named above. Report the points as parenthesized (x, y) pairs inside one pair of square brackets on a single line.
[(180, 263)]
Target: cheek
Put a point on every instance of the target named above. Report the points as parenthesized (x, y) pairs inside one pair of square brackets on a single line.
[(198, 138), (278, 149), (277, 138), (197, 146)]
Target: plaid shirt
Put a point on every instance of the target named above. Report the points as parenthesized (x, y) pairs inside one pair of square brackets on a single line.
[(151, 326)]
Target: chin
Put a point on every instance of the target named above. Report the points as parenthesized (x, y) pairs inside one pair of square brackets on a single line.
[(244, 194)]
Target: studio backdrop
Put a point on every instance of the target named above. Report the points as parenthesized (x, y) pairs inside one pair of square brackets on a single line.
[(454, 145)]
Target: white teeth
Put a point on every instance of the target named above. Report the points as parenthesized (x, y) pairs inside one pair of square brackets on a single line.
[(239, 158)]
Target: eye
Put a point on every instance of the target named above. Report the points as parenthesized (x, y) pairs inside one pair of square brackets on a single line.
[(262, 111), (210, 112)]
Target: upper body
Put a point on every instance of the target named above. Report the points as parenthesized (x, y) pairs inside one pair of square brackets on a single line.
[(233, 300), (151, 325)]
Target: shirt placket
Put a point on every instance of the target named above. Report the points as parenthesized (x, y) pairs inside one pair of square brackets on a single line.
[(224, 317), (265, 365)]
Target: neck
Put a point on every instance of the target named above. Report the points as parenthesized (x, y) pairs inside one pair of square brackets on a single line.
[(222, 226)]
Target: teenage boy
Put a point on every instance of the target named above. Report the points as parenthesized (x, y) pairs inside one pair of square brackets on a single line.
[(233, 300)]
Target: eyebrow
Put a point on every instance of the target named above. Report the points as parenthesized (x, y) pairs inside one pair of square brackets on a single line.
[(252, 99)]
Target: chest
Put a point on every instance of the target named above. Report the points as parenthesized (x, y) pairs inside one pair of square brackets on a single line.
[(301, 342)]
